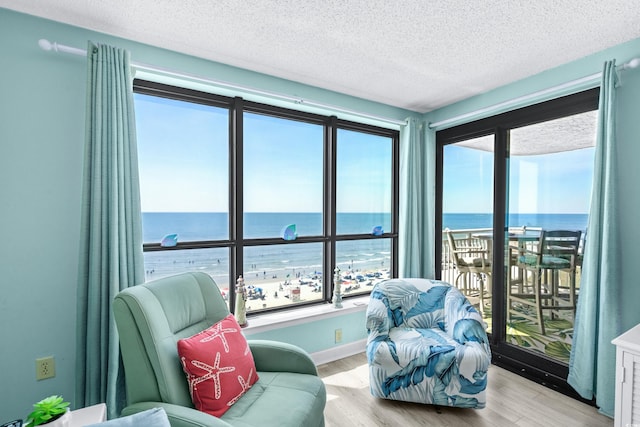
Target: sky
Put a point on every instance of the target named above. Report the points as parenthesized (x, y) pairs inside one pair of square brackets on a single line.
[(549, 183), (183, 157), (557, 181)]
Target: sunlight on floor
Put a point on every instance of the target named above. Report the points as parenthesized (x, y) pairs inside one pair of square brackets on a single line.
[(354, 378)]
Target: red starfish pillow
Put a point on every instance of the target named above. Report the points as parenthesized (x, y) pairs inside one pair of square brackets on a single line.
[(219, 366)]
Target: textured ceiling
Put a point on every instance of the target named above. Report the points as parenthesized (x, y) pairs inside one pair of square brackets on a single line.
[(414, 54)]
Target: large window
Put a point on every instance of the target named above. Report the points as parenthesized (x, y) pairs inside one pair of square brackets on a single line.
[(284, 198)]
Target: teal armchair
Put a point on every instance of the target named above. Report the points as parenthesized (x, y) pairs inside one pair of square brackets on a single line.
[(153, 316)]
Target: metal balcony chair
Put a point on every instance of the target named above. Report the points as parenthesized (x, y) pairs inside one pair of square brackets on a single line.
[(471, 258), (556, 251)]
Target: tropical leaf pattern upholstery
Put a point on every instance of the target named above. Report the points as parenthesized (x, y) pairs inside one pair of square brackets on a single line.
[(426, 344)]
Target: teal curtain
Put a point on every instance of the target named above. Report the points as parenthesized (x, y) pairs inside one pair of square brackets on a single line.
[(417, 200), (111, 248), (600, 304)]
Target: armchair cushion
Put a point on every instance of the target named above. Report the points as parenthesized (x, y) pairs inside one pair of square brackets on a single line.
[(219, 366), (548, 261)]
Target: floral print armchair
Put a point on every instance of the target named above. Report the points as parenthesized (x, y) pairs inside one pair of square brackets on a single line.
[(426, 344)]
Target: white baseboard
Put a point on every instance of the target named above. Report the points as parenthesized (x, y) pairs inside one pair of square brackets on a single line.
[(339, 352)]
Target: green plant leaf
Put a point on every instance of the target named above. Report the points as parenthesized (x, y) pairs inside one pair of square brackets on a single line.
[(47, 410), (558, 324), (558, 350)]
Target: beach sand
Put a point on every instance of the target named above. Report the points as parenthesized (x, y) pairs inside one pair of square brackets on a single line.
[(277, 284), (268, 292)]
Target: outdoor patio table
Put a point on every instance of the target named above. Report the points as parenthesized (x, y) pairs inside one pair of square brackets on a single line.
[(520, 239)]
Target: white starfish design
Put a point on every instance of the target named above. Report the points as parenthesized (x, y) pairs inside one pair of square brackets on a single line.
[(218, 332), (246, 385), (190, 379), (213, 372)]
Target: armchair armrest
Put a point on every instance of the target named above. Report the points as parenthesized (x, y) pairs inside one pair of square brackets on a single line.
[(463, 323), (179, 416), (274, 356), (378, 322), (470, 330)]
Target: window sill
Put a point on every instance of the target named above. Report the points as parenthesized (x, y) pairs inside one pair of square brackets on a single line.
[(297, 316)]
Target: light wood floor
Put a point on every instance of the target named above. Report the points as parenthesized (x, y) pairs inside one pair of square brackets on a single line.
[(511, 401)]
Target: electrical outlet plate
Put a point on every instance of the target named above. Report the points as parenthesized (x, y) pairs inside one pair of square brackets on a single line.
[(45, 368), (338, 335)]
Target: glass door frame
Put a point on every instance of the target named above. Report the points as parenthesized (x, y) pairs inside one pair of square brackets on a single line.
[(536, 367)]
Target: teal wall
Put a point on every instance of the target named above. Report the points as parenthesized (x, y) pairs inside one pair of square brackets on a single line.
[(319, 335), (42, 99)]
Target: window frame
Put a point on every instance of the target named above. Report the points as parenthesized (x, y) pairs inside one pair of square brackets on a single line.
[(236, 107)]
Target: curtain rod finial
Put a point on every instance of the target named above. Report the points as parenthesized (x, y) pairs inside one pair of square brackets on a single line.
[(45, 44), (634, 63)]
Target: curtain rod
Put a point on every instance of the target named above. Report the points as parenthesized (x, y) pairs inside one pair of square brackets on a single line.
[(593, 78), (56, 47)]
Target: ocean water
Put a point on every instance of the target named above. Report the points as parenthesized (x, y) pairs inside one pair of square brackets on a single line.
[(456, 221), (289, 261), (286, 261), (215, 226)]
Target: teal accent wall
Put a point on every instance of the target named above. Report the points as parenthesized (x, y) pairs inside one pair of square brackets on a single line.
[(42, 113), (628, 134), (318, 335), (41, 133)]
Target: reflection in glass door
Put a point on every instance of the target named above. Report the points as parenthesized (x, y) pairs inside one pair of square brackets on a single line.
[(550, 169), (467, 219)]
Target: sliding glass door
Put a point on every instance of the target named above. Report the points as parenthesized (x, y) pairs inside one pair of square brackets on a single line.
[(512, 198)]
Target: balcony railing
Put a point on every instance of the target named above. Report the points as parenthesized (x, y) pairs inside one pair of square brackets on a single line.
[(448, 270)]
